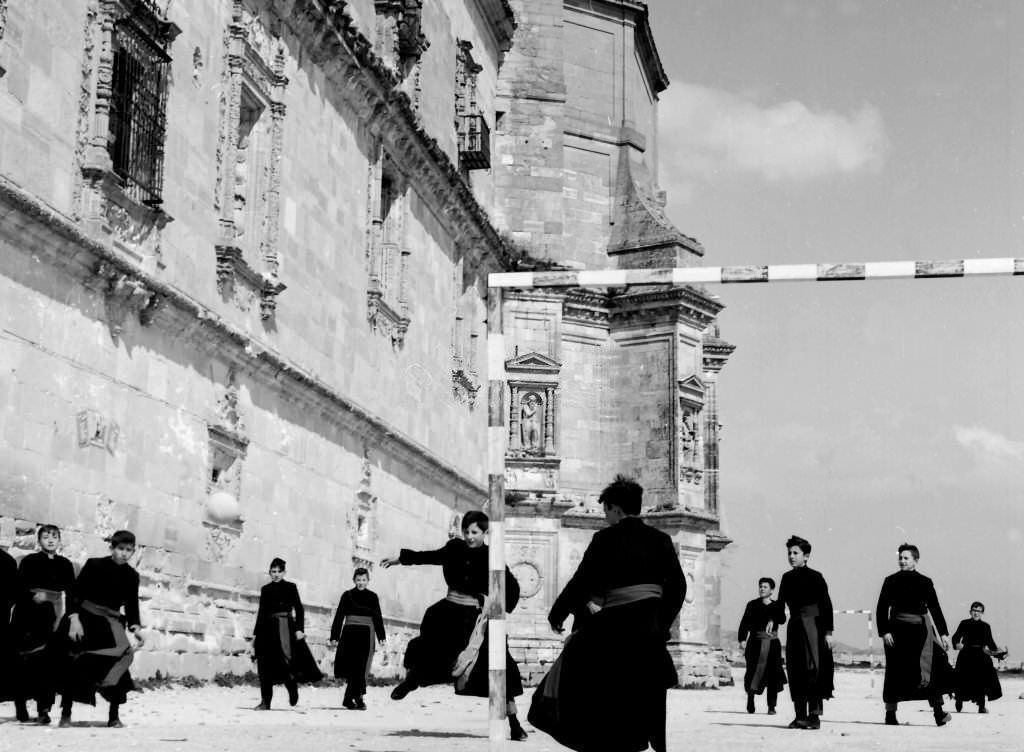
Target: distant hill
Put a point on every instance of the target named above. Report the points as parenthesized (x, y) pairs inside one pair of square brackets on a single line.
[(729, 642)]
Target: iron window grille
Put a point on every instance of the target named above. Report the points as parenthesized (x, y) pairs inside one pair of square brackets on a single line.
[(474, 142), (138, 107)]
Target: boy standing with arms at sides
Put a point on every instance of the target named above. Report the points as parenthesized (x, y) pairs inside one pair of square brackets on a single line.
[(95, 633), (358, 626), (46, 580)]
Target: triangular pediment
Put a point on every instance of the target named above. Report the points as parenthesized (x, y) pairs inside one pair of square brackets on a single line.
[(692, 387), (533, 362)]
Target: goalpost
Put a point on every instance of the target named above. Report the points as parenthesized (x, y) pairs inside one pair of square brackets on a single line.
[(701, 275)]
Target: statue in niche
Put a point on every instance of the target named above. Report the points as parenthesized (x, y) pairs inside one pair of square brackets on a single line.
[(689, 437), (531, 429)]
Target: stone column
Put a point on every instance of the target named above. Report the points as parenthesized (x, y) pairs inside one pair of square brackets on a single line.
[(549, 421), (513, 421)]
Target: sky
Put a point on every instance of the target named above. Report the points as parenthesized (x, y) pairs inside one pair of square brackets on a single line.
[(864, 414)]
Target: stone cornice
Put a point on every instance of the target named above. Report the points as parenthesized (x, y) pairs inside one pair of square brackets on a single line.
[(717, 540), (372, 89), (715, 353), (681, 304), (171, 308), (587, 307), (502, 20)]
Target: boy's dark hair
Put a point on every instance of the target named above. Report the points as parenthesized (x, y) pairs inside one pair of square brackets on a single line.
[(52, 529), (914, 551), (802, 543), (768, 580), (361, 572), (122, 538), (480, 519), (978, 604), (624, 493), (278, 563)]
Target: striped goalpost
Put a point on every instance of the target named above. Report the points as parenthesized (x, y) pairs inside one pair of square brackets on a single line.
[(871, 639), (690, 275)]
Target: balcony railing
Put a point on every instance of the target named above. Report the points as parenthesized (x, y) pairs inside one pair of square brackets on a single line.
[(474, 142)]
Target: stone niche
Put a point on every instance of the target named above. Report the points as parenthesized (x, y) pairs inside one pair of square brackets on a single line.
[(691, 440), (532, 460)]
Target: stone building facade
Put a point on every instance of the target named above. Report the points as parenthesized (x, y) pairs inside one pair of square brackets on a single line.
[(602, 381), (243, 259)]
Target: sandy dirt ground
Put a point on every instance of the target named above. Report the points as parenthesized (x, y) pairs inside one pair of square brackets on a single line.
[(215, 719)]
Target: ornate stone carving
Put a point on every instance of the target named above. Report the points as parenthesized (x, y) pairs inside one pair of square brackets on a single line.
[(249, 145), (123, 295), (387, 307), (373, 91), (533, 381), (691, 431), (221, 541), (130, 223), (364, 519), (94, 429), (400, 40), (529, 578), (465, 386)]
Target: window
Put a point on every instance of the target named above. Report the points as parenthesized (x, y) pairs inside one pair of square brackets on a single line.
[(387, 254), (138, 106), (474, 136)]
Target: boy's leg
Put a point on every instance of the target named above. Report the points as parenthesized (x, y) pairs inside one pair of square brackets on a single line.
[(113, 716), (65, 709)]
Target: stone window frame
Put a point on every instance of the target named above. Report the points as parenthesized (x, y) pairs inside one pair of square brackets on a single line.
[(465, 341), (399, 39), (472, 132), (387, 250), (253, 82), (101, 200)]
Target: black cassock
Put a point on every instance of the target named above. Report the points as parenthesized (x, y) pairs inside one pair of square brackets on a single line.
[(607, 690), (280, 657), (358, 625), (447, 625), (8, 595), (916, 666), (763, 654), (808, 658), (34, 624), (99, 662), (975, 676)]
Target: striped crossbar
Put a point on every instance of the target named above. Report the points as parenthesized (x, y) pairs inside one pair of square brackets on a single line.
[(770, 273), (867, 611)]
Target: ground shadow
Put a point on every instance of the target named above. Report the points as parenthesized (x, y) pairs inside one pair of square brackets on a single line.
[(756, 725), (438, 734)]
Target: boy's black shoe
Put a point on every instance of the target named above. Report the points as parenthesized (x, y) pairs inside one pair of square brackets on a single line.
[(65, 721), (403, 689), (21, 712), (293, 697), (959, 704), (771, 711), (115, 723), (813, 721), (517, 732), (360, 705), (797, 723), (942, 718), (349, 703), (890, 718), (262, 706), (43, 719), (750, 703)]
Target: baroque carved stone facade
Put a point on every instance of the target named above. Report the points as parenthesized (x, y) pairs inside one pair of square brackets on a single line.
[(291, 366)]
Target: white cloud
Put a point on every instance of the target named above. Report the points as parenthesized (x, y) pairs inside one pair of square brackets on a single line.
[(987, 444), (706, 131)]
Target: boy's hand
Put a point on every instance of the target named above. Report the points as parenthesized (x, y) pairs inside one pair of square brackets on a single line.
[(300, 635), (39, 597), (139, 639), (75, 631)]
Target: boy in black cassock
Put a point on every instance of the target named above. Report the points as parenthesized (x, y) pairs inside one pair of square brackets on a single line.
[(759, 638), (279, 640), (607, 690), (449, 626), (358, 625), (916, 666), (976, 677), (93, 633), (8, 596), (808, 637), (46, 578)]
